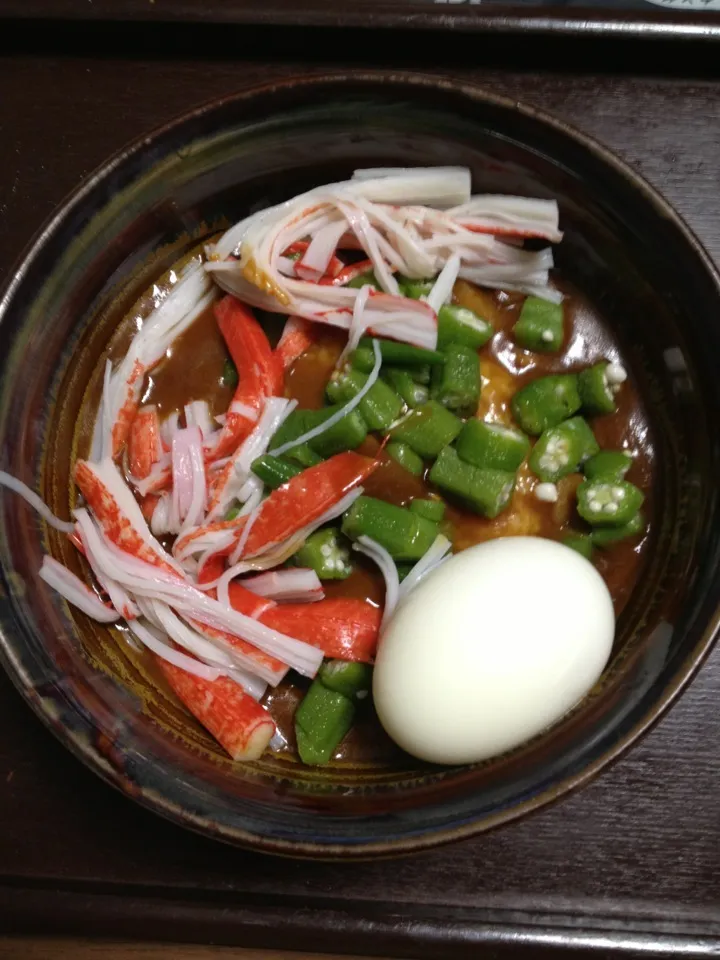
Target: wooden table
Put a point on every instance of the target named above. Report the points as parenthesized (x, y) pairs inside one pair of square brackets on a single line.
[(631, 863)]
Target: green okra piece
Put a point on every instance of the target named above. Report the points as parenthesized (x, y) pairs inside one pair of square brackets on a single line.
[(303, 455), (362, 359), (492, 445), (562, 449), (422, 373), (404, 354), (229, 377), (456, 384), (406, 457), (460, 325), (352, 680), (608, 465), (430, 509), (487, 492), (274, 471), (347, 434), (427, 429), (412, 393), (415, 289), (404, 534), (380, 406), (321, 721), (367, 279), (596, 394), (581, 543), (608, 503), (327, 553), (607, 536), (546, 402), (539, 326)]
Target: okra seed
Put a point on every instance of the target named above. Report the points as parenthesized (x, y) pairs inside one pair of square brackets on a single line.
[(611, 508), (594, 506), (616, 373), (547, 336), (546, 492), (326, 550)]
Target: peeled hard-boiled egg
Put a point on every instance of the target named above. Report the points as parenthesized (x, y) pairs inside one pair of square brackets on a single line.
[(492, 648)]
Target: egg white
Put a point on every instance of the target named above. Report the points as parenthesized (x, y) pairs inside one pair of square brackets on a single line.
[(491, 649)]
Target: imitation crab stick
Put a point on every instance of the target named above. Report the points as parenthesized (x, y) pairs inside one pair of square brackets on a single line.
[(144, 442), (350, 274), (331, 265), (287, 510), (237, 722), (251, 604), (259, 369), (118, 513), (343, 628), (297, 336), (306, 497)]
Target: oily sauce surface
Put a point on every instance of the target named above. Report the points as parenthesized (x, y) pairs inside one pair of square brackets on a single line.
[(193, 371)]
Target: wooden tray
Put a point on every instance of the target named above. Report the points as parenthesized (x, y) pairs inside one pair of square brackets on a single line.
[(676, 19), (630, 865)]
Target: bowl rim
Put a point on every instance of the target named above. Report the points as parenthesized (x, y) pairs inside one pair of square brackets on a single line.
[(87, 751)]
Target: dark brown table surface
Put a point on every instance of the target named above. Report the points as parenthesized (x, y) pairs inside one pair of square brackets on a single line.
[(632, 862)]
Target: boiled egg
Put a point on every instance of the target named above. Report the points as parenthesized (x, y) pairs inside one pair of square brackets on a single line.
[(492, 648)]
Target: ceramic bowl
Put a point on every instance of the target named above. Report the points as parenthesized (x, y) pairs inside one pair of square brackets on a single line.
[(624, 248)]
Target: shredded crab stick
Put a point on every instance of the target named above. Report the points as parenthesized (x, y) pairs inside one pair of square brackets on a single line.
[(297, 337), (351, 272), (260, 373), (510, 216), (145, 447), (118, 596), (36, 502), (343, 628), (233, 477), (239, 724), (191, 295), (75, 591), (184, 597), (286, 511), (141, 565), (301, 585), (248, 657), (118, 513), (435, 186), (197, 414), (413, 233), (305, 497), (388, 569), (189, 490), (432, 559), (317, 257)]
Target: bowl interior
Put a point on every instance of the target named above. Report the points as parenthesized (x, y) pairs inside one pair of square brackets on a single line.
[(623, 249)]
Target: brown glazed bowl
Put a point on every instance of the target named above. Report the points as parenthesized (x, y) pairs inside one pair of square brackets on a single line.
[(624, 248)]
